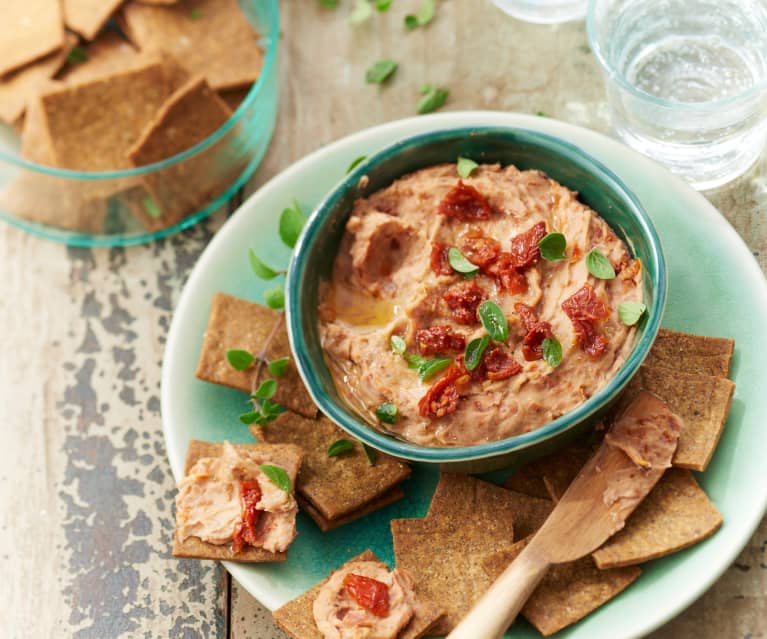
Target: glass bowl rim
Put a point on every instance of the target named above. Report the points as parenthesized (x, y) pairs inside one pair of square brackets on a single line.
[(614, 76), (414, 452), (255, 90)]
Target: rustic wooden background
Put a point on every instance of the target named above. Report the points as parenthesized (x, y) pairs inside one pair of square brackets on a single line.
[(85, 486)]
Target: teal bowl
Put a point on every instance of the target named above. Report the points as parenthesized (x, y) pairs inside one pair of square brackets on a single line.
[(598, 187)]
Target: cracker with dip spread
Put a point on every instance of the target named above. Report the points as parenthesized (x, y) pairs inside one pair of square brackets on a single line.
[(236, 502), (188, 116), (29, 30), (481, 523), (231, 59), (568, 592), (334, 491), (235, 323), (303, 617)]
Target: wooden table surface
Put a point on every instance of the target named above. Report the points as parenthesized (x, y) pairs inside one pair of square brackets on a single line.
[(85, 488)]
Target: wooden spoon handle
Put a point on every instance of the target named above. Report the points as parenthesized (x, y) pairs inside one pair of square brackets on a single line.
[(498, 607)]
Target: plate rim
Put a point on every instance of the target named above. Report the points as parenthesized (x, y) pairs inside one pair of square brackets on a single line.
[(748, 523)]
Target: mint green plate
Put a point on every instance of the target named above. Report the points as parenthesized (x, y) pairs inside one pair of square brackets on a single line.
[(715, 288)]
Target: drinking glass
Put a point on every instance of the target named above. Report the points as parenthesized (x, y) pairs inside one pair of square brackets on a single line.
[(544, 11), (686, 81)]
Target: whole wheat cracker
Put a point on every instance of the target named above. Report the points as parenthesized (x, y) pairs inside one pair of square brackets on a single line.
[(231, 60), (234, 97), (676, 514), (337, 487), (325, 524), (698, 354), (235, 323), (188, 117), (296, 617), (568, 592), (29, 30), (286, 456), (109, 53), (20, 86), (87, 17)]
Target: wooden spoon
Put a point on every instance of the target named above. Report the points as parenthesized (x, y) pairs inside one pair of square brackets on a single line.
[(630, 461)]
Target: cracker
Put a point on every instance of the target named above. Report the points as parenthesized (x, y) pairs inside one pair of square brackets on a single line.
[(231, 59), (87, 17), (325, 524), (238, 324), (568, 592), (548, 477), (529, 513), (691, 353), (189, 116), (234, 97), (29, 30), (296, 617), (92, 124), (284, 455), (453, 576), (337, 487), (109, 53), (676, 514), (701, 401), (21, 86)]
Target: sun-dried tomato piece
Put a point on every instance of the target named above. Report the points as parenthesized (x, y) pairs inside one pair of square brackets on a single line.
[(500, 365), (371, 594), (630, 273), (524, 247), (585, 304), (477, 375), (245, 533), (440, 265), (591, 342), (438, 339), (537, 331), (440, 400), (464, 202), (480, 250), (463, 299), (508, 277)]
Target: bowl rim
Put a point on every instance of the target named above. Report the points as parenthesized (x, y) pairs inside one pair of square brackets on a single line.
[(414, 452), (271, 37)]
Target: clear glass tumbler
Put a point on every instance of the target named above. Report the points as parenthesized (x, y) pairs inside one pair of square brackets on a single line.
[(544, 11), (686, 81)]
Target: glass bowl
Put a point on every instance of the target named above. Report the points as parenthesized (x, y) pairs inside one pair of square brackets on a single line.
[(114, 208), (315, 251)]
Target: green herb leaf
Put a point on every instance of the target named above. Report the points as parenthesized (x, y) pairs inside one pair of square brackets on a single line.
[(459, 263), (475, 349), (599, 266), (277, 475), (278, 367), (413, 360), (151, 208), (432, 100), (356, 163), (339, 447), (383, 5), (275, 297), (261, 270), (195, 14), (250, 418), (397, 344), (292, 221), (361, 12), (387, 413), (423, 16), (552, 352), (239, 360), (370, 454), (429, 368), (380, 71), (270, 409), (266, 390), (553, 247), (631, 312), (329, 4), (494, 321), (541, 114), (466, 167), (77, 55), (425, 88)]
